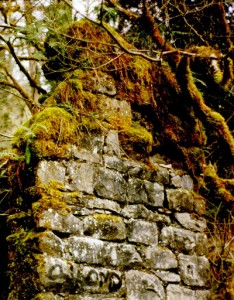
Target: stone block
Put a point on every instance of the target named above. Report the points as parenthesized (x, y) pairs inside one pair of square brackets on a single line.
[(159, 258), (93, 251), (51, 170), (183, 240), (111, 185), (65, 223), (136, 191), (155, 192), (191, 222), (194, 270), (100, 280), (167, 276), (105, 227), (56, 274), (80, 176), (51, 244), (186, 182), (143, 286), (104, 204), (180, 200), (177, 292), (112, 145), (142, 232)]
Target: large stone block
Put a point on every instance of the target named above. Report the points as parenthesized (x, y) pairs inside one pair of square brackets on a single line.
[(100, 280), (56, 274), (80, 176), (136, 191), (142, 232), (177, 292), (51, 170), (66, 223), (93, 251), (111, 185), (143, 286), (180, 200), (191, 222), (51, 244), (183, 240), (105, 227), (155, 192), (194, 270), (162, 259)]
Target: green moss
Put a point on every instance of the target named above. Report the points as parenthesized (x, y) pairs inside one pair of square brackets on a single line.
[(105, 217)]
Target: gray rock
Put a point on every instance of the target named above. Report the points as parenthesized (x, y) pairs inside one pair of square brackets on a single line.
[(51, 170), (176, 181), (100, 280), (56, 272), (111, 185), (191, 222), (177, 292), (158, 258), (143, 286), (187, 182), (183, 240), (66, 223), (167, 276), (85, 154), (93, 251), (105, 227), (113, 162), (112, 145), (80, 176), (155, 192), (104, 204), (180, 200), (142, 232), (51, 244), (136, 192), (194, 270)]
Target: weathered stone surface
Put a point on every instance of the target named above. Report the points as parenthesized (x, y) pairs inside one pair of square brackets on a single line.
[(142, 232), (80, 176), (143, 286), (51, 219), (168, 276), (139, 211), (56, 273), (177, 292), (115, 163), (102, 204), (155, 193), (183, 240), (51, 170), (85, 154), (194, 270), (112, 145), (51, 244), (106, 227), (180, 200), (93, 251), (100, 280), (136, 191), (191, 222), (111, 185), (186, 182), (176, 181), (162, 259)]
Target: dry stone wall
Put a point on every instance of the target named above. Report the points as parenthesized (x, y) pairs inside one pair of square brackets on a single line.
[(102, 226)]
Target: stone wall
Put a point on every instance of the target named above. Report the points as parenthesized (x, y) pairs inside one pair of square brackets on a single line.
[(95, 224)]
